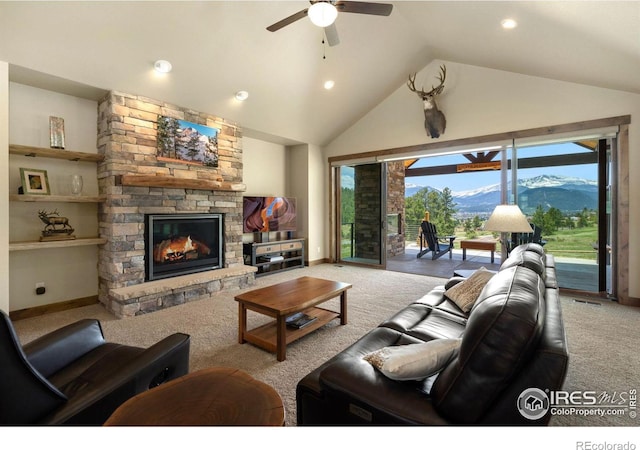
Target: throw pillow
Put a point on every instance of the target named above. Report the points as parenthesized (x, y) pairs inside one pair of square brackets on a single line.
[(413, 361), (451, 282), (466, 293)]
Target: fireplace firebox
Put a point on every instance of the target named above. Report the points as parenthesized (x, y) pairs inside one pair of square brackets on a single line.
[(179, 244)]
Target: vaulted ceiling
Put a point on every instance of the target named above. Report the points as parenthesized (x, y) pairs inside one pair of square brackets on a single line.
[(220, 47)]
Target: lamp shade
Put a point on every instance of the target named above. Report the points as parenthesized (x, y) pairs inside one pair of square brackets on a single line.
[(508, 219), (322, 14)]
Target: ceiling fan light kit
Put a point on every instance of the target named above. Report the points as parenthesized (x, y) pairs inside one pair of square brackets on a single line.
[(322, 14)]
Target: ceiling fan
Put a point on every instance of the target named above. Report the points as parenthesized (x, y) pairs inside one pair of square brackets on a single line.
[(323, 13)]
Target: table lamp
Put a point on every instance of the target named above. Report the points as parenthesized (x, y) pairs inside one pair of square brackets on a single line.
[(507, 219)]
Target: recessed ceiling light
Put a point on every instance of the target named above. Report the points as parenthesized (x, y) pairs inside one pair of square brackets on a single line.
[(162, 66), (509, 24), (329, 84), (242, 96)]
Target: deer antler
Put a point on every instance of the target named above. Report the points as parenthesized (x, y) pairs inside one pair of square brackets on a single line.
[(411, 83), (441, 77), (434, 90)]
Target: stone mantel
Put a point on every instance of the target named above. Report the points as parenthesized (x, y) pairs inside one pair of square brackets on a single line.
[(178, 182)]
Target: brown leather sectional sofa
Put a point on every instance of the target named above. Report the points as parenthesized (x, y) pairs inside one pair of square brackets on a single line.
[(513, 344)]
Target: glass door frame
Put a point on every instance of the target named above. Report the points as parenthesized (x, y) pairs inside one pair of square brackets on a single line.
[(606, 150), (336, 221)]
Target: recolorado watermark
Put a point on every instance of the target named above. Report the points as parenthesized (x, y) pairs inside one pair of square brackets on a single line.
[(589, 445), (534, 403)]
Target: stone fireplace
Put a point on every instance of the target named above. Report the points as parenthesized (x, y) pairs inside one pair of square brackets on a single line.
[(139, 185)]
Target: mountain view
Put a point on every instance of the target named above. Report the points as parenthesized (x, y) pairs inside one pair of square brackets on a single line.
[(190, 145), (186, 141), (568, 194)]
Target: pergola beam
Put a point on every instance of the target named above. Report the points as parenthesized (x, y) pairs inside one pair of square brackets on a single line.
[(523, 163)]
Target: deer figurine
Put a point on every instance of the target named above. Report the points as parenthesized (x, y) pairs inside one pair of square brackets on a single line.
[(52, 219), (434, 120)]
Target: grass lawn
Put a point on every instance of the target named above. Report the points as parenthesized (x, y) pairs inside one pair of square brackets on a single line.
[(576, 243), (569, 243)]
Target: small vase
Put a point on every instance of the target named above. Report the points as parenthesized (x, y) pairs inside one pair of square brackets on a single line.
[(76, 184)]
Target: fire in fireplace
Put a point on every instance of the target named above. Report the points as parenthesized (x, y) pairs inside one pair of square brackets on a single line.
[(179, 244)]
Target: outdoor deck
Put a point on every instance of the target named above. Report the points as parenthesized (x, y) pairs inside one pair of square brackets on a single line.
[(574, 274)]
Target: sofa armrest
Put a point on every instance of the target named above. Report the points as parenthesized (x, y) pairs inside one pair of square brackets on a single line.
[(163, 361), (55, 350), (363, 395)]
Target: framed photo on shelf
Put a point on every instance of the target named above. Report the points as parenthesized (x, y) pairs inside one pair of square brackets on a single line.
[(34, 181)]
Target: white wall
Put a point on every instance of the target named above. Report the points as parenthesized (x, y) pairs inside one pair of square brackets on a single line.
[(4, 189), (264, 170), (298, 187), (318, 179), (69, 273), (479, 101), (264, 166)]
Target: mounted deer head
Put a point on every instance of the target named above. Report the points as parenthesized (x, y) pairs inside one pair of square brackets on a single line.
[(434, 120)]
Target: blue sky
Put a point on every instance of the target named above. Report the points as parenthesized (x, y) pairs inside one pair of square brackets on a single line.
[(473, 180), (206, 131)]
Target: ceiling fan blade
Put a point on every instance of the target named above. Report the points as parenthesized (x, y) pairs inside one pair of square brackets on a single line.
[(376, 9), (289, 20), (331, 32)]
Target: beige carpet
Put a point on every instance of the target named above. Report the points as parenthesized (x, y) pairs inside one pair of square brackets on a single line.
[(603, 339)]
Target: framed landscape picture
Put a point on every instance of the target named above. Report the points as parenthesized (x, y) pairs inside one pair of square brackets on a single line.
[(34, 181), (186, 142)]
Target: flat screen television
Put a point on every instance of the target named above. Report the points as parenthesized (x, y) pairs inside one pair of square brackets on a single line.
[(263, 214)]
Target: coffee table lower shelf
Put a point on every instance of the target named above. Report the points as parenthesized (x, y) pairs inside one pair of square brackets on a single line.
[(266, 336)]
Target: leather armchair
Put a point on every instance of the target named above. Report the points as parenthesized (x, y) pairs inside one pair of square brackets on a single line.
[(73, 376)]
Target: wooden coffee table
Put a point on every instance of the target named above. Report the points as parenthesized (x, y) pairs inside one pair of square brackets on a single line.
[(284, 299)]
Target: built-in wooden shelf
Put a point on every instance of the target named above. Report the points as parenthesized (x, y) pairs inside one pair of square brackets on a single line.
[(58, 198), (37, 245), (178, 183), (68, 155)]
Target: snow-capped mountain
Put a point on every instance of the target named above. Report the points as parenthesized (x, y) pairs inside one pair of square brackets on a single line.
[(558, 181), (479, 191), (568, 194), (190, 145), (410, 189)]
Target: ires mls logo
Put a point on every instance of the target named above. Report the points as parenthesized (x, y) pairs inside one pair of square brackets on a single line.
[(533, 403)]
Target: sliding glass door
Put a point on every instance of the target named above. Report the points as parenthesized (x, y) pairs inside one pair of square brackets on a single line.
[(565, 188)]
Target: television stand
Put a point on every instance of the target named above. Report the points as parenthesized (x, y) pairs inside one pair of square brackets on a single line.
[(275, 256)]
